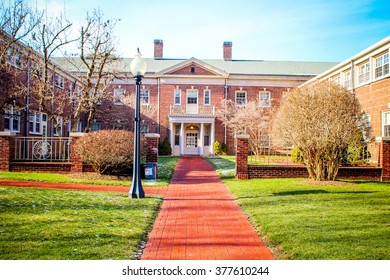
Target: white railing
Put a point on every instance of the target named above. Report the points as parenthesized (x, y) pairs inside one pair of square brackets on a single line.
[(183, 110), (42, 148)]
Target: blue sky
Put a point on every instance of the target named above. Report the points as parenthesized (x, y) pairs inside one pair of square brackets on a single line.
[(329, 30)]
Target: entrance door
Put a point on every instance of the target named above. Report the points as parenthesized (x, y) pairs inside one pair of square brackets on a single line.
[(192, 143), (192, 102)]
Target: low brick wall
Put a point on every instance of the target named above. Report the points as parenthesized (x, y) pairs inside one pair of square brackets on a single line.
[(279, 171), (46, 167)]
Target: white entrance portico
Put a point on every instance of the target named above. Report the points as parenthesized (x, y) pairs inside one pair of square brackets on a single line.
[(192, 135)]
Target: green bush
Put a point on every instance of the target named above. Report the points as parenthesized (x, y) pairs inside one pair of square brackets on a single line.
[(220, 149), (108, 151), (296, 155), (164, 148)]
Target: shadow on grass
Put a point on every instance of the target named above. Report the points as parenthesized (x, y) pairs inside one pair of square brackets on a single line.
[(305, 192)]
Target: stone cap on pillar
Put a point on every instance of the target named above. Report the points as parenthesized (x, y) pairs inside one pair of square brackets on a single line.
[(152, 135), (77, 134), (382, 139), (241, 136), (7, 133)]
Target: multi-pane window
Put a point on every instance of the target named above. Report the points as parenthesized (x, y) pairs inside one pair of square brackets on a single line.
[(59, 128), (386, 124), (265, 99), (12, 120), (59, 81), (35, 123), (207, 97), (207, 135), (348, 80), (118, 96), (144, 97), (337, 79), (240, 98), (382, 65), (177, 95), (364, 73)]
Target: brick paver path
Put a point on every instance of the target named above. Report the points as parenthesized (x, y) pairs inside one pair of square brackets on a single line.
[(199, 219)]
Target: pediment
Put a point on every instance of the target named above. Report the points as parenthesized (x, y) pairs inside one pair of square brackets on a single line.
[(193, 67)]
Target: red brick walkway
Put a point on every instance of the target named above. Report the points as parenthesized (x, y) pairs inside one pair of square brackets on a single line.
[(199, 219)]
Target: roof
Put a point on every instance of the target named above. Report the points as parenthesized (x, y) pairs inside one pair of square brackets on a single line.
[(238, 67)]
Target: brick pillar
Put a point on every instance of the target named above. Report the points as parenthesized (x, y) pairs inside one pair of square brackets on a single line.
[(77, 163), (384, 158), (242, 157), (152, 140), (6, 149)]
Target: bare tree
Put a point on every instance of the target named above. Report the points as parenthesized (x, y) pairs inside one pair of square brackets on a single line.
[(17, 21), (252, 119), (51, 37), (320, 119), (97, 67)]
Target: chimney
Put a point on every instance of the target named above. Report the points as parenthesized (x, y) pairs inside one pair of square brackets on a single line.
[(158, 48), (227, 50)]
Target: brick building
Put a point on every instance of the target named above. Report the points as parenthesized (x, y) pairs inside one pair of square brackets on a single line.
[(186, 93), (367, 75), (179, 97)]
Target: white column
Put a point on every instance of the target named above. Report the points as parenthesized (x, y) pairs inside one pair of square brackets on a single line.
[(182, 142), (201, 138), (172, 136), (212, 140)]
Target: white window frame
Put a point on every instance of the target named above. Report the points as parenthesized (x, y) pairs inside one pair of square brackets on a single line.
[(265, 102), (337, 79), (14, 58), (207, 96), (145, 97), (348, 79), (177, 96), (386, 123), (11, 114), (364, 73), (118, 92), (59, 81), (243, 102), (382, 63), (36, 119)]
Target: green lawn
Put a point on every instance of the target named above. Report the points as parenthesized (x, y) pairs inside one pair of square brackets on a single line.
[(311, 221), (50, 224), (305, 221), (166, 165)]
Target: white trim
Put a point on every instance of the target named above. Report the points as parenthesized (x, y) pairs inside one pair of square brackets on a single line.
[(204, 97), (235, 98), (269, 99)]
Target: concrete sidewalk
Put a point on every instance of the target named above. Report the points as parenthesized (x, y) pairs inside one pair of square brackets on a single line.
[(200, 220)]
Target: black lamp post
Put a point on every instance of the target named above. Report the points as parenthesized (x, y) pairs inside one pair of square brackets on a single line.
[(138, 69)]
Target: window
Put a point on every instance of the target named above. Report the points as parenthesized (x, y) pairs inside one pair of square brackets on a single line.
[(337, 79), (118, 96), (96, 126), (207, 135), (144, 97), (386, 124), (12, 120), (192, 97), (144, 128), (14, 59), (265, 99), (207, 97), (364, 73), (177, 135), (366, 122), (240, 98), (348, 80), (59, 81), (35, 123), (177, 97), (382, 65)]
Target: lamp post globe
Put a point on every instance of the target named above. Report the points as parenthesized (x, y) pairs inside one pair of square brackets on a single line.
[(138, 69)]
